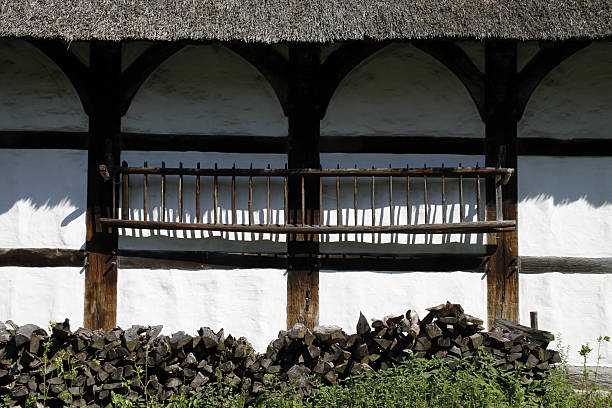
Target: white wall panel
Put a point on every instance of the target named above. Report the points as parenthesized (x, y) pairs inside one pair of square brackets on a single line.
[(206, 90), (40, 295), (44, 198), (34, 93), (244, 302)]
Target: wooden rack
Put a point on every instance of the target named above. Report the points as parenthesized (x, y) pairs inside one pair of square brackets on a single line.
[(120, 175)]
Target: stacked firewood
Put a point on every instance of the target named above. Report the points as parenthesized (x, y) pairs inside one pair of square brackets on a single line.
[(85, 367)]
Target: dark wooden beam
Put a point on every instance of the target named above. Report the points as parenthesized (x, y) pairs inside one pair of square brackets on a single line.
[(304, 206), (403, 145), (203, 143), (76, 72), (569, 148), (501, 131), (41, 257), (270, 63), (31, 139), (104, 132), (205, 260), (569, 265), (137, 73), (457, 61), (338, 65), (540, 65)]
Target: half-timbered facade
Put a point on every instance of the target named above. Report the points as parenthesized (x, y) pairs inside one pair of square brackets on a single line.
[(249, 166)]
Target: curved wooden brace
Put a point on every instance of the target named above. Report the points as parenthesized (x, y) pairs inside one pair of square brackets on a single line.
[(76, 72), (270, 63), (137, 73), (338, 65), (541, 65), (455, 59)]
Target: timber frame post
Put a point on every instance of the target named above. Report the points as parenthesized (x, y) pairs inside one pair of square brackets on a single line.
[(104, 132), (501, 94), (303, 152)]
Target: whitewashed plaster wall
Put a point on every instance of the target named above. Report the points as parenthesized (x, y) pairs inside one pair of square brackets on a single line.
[(206, 90), (401, 91), (565, 203), (43, 196)]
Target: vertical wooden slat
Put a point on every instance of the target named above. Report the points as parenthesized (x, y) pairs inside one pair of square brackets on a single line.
[(355, 198), (338, 215), (373, 204), (163, 194), (461, 203), (478, 197), (180, 194), (125, 194), (320, 215), (303, 202), (408, 209), (425, 199), (234, 196), (269, 212), (145, 195), (251, 198), (499, 216), (216, 196), (285, 197), (198, 214), (391, 215), (443, 198)]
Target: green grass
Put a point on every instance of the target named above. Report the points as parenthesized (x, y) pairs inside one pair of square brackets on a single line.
[(416, 383)]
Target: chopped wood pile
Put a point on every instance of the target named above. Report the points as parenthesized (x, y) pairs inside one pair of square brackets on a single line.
[(84, 367)]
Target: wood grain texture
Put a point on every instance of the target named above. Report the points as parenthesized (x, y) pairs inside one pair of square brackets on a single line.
[(41, 257), (100, 303), (501, 131)]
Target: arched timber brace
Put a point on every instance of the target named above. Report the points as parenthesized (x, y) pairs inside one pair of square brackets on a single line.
[(138, 72), (304, 206), (104, 132), (501, 131), (271, 64), (455, 59), (338, 65), (76, 72), (540, 65)]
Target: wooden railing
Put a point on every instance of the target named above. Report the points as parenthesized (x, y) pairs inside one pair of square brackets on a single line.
[(120, 175)]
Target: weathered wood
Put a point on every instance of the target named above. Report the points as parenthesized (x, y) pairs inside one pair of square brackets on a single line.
[(541, 65), (303, 152), (234, 199), (527, 146), (459, 227), (461, 202), (338, 65), (42, 257), (443, 200), (354, 172), (251, 198), (137, 73), (202, 260), (408, 210), (76, 72), (180, 195), (538, 336), (454, 58), (478, 199), (100, 305), (268, 204), (198, 198), (501, 132), (338, 215), (125, 195), (216, 196), (551, 264), (533, 320), (145, 198), (425, 199), (373, 203)]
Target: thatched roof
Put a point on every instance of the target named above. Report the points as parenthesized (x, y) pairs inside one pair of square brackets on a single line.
[(305, 20)]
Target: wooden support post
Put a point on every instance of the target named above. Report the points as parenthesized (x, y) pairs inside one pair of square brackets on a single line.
[(104, 130), (303, 152), (501, 133)]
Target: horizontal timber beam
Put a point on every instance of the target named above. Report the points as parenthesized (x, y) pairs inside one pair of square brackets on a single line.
[(41, 257), (204, 260), (548, 264), (526, 146)]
